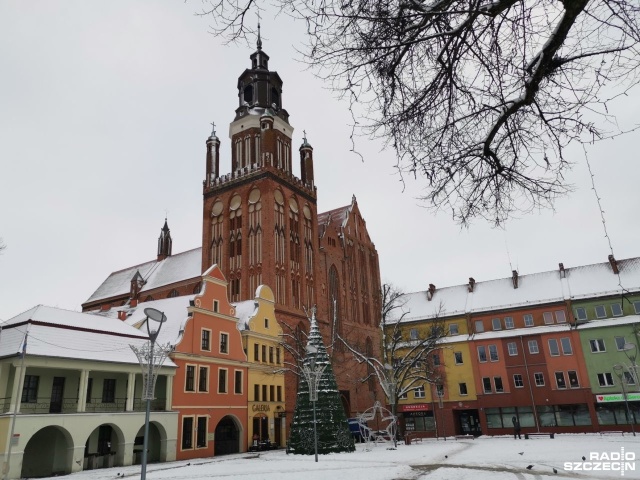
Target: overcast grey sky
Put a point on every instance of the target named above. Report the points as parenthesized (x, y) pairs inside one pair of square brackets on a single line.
[(104, 112)]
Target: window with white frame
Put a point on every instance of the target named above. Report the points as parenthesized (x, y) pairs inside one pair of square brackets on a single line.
[(403, 396), (201, 431), (533, 346), (482, 353), (560, 381), (190, 379), (597, 345), (187, 433), (453, 329), (458, 358), (508, 323), (620, 343), (224, 342), (628, 378), (539, 379), (203, 379), (528, 320), (518, 382), (554, 351), (548, 318), (413, 334), (222, 380), (636, 307), (440, 390), (205, 340), (573, 379), (605, 379), (616, 309), (486, 384), (512, 348), (237, 382), (601, 312), (493, 353), (496, 324), (565, 343), (419, 392), (560, 316), (581, 313), (497, 381), (480, 325)]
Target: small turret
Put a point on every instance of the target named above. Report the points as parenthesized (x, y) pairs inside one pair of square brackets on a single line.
[(213, 156), (306, 162)]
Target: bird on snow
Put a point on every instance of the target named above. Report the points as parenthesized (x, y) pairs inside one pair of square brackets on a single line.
[(555, 471), (529, 467), (446, 456), (584, 458), (520, 453)]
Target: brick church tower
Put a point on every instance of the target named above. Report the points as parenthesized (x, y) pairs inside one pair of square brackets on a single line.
[(261, 226)]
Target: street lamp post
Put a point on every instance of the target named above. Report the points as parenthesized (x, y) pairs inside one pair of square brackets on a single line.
[(313, 374), (151, 358), (619, 371)]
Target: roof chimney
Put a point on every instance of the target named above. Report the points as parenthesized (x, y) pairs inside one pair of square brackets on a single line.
[(431, 291), (514, 278), (122, 315), (563, 274), (614, 264), (472, 284)]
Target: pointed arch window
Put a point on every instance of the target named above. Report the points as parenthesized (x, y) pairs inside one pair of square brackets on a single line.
[(334, 300)]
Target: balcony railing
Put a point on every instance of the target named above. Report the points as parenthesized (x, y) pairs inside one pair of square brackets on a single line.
[(70, 405)]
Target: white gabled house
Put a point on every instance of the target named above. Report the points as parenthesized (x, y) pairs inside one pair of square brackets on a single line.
[(70, 389)]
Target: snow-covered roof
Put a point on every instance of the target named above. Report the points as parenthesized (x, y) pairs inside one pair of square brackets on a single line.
[(173, 269), (175, 309), (244, 311), (610, 322), (54, 332), (589, 281)]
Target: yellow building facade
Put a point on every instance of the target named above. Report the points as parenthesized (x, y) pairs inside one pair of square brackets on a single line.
[(261, 338)]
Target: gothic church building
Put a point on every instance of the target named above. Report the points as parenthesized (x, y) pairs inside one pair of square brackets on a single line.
[(261, 226)]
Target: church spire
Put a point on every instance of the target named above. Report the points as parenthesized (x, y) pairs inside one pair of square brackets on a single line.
[(164, 242), (259, 42)]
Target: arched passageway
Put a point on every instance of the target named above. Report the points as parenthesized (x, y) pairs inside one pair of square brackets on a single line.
[(48, 452), (154, 445), (227, 437)]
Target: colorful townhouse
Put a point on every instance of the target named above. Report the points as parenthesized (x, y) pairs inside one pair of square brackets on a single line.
[(71, 386), (262, 341), (210, 385), (541, 348)]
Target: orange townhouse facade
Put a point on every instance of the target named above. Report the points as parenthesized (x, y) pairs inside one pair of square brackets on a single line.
[(210, 386)]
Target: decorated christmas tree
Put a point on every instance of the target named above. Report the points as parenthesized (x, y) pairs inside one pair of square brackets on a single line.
[(331, 422)]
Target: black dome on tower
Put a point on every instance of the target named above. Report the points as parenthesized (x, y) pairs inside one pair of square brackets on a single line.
[(260, 90)]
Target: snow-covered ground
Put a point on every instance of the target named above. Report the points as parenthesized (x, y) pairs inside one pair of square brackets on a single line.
[(495, 458)]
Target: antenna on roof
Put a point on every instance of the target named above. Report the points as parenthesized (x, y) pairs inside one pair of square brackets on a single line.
[(506, 246)]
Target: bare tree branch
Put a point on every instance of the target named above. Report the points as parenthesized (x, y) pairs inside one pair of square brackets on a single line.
[(479, 98)]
